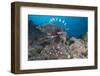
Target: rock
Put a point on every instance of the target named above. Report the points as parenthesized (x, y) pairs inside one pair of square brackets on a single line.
[(77, 49)]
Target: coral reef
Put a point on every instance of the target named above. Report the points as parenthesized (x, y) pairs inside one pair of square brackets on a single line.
[(56, 44)]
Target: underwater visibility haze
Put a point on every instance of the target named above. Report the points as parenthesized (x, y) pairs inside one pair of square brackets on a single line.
[(74, 26), (57, 37)]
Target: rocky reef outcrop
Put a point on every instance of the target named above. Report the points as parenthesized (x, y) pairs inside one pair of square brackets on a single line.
[(56, 44)]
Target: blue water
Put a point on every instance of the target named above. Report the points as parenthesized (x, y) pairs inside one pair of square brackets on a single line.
[(74, 26)]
